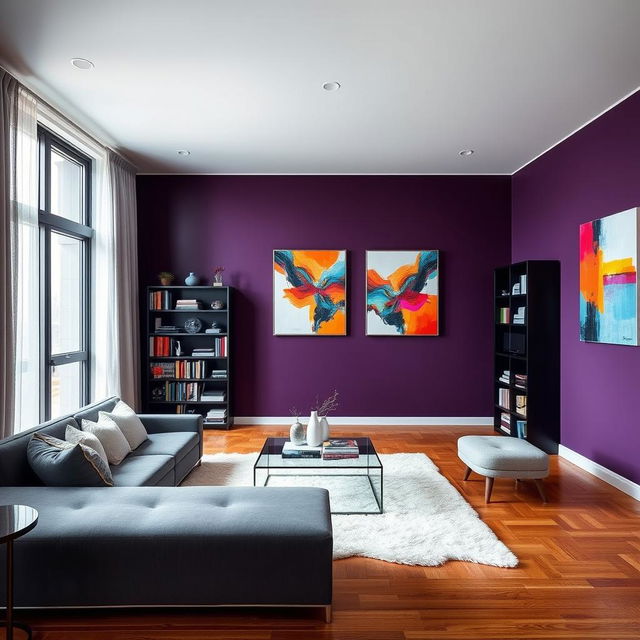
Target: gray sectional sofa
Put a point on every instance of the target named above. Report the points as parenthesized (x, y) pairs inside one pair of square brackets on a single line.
[(146, 542)]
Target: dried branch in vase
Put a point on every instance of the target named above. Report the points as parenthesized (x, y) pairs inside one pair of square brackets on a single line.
[(329, 405)]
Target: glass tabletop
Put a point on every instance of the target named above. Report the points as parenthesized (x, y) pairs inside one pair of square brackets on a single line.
[(16, 520), (271, 457)]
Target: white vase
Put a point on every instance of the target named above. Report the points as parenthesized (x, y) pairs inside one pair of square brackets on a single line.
[(324, 424), (296, 433), (314, 430)]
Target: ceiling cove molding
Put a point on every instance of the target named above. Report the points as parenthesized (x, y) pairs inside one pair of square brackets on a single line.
[(397, 175), (582, 126)]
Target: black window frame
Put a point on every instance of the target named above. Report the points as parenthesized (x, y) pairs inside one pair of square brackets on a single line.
[(51, 223)]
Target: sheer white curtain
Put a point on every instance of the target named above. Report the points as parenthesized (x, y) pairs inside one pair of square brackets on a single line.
[(27, 266), (19, 263)]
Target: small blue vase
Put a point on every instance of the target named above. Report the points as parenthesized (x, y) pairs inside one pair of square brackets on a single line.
[(191, 280)]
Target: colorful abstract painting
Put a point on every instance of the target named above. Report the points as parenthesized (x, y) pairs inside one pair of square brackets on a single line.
[(608, 279), (309, 292), (402, 293)]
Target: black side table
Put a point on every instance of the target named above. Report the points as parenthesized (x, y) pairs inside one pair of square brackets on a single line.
[(15, 521)]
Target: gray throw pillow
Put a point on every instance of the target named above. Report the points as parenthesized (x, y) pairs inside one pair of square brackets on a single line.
[(64, 464), (111, 438)]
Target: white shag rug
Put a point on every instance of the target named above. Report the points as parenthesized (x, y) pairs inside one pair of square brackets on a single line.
[(425, 521)]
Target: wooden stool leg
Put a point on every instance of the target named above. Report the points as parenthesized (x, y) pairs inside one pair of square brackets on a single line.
[(540, 489), (467, 473), (488, 486)]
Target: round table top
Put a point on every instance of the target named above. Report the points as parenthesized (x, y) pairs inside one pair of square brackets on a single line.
[(16, 520)]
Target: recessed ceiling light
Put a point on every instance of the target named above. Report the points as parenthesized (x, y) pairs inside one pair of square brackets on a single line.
[(466, 152), (331, 86), (183, 152), (82, 63)]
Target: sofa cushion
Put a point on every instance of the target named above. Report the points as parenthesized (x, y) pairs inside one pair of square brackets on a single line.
[(111, 438), (176, 444), (63, 464), (138, 471), (130, 425)]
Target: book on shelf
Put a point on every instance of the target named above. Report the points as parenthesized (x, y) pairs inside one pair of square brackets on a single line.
[(515, 290), (213, 396), (290, 450), (219, 349), (177, 392), (521, 428), (188, 305), (505, 377), (159, 300), (521, 405), (215, 416), (161, 346), (504, 398), (505, 423), (519, 316), (523, 284), (220, 374), (520, 380), (504, 315), (211, 330)]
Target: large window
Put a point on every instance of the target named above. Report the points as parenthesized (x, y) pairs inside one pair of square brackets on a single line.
[(65, 246)]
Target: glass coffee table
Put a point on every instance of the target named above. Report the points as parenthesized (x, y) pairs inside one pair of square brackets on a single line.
[(354, 484)]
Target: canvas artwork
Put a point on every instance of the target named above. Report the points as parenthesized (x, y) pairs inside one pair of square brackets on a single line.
[(402, 293), (608, 279), (309, 292)]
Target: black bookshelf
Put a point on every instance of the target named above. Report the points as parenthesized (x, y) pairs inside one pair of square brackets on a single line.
[(166, 392), (528, 344)]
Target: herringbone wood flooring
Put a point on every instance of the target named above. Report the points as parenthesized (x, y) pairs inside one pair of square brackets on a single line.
[(579, 573)]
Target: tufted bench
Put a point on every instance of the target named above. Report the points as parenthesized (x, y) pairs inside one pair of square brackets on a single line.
[(503, 457)]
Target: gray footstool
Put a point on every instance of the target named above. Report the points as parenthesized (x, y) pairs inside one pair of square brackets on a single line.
[(503, 457)]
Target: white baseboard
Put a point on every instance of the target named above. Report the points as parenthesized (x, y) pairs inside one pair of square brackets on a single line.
[(369, 421), (610, 477)]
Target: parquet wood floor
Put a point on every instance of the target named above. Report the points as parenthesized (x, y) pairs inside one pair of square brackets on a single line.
[(578, 578)]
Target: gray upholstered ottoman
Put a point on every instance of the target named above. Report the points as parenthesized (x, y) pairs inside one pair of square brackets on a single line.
[(503, 457)]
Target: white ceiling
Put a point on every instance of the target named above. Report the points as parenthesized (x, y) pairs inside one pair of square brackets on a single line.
[(239, 83)]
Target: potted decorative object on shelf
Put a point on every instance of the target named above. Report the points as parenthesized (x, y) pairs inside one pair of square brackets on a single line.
[(324, 409), (192, 279), (217, 276), (166, 278), (296, 433)]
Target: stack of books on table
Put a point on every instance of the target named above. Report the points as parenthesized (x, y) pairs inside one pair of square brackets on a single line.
[(505, 377), (212, 395), (290, 450), (187, 305), (520, 380), (219, 374), (340, 449), (505, 423), (204, 353), (216, 416)]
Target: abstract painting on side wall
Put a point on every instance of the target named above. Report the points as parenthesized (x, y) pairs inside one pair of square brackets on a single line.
[(309, 292), (402, 293), (608, 279)]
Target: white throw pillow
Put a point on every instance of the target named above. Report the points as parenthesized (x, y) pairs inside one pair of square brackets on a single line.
[(75, 436), (130, 425), (111, 438)]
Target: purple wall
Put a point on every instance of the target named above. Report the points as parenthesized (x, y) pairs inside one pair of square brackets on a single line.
[(193, 223), (594, 173)]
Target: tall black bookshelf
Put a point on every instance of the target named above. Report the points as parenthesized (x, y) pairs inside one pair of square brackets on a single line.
[(177, 380), (527, 352)]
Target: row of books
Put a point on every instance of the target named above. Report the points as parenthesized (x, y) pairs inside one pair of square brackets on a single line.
[(161, 346), (219, 349), (342, 449), (520, 287), (519, 379), (521, 405), (177, 392), (179, 369), (188, 304), (504, 398), (159, 300), (504, 315), (505, 425)]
